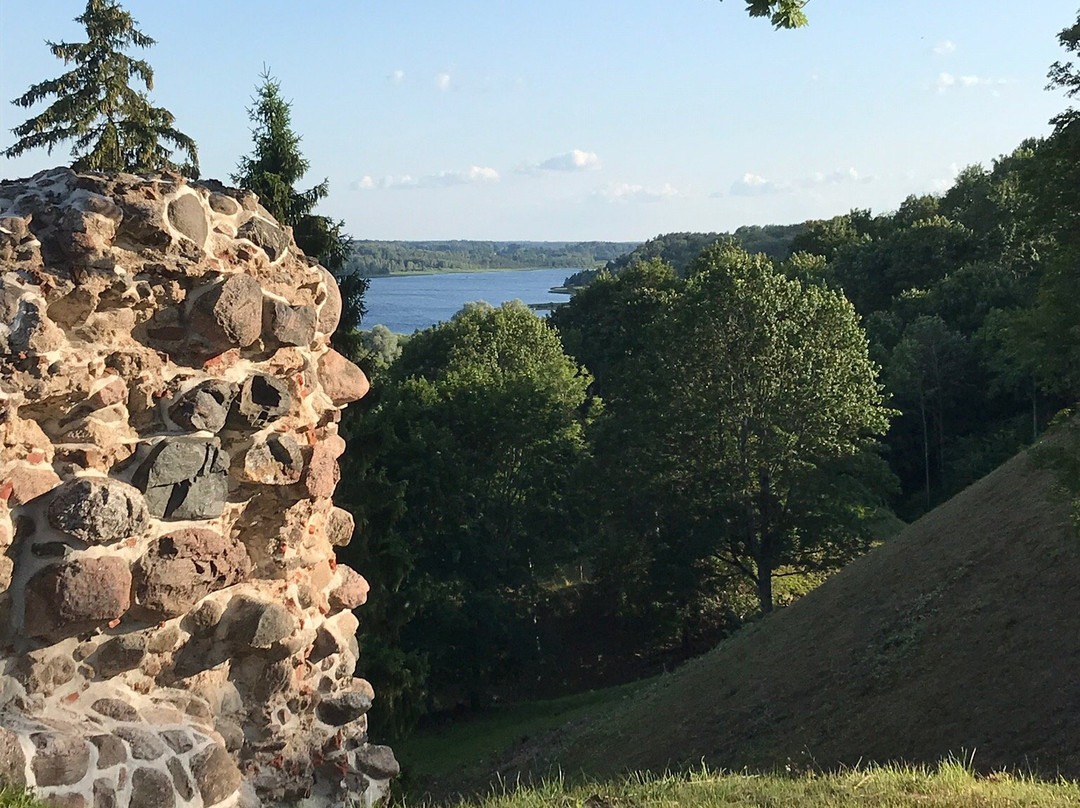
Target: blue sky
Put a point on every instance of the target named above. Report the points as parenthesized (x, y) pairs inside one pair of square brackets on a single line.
[(596, 119)]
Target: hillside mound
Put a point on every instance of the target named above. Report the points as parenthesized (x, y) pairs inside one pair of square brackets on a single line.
[(960, 635)]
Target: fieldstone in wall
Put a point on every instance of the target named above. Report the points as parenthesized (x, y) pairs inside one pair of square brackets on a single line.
[(185, 479), (262, 399), (98, 511), (204, 407), (63, 599), (227, 315), (176, 631), (182, 567)]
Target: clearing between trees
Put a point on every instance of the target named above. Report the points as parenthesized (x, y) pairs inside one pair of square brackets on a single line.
[(955, 638)]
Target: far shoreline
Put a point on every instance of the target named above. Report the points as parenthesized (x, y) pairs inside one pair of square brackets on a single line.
[(456, 271)]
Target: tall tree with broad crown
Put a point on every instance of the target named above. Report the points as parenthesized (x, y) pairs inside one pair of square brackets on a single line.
[(113, 125), (769, 392)]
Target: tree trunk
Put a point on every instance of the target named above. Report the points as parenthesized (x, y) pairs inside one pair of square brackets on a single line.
[(926, 447), (764, 590)]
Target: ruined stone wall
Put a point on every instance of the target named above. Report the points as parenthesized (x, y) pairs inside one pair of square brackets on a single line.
[(175, 631)]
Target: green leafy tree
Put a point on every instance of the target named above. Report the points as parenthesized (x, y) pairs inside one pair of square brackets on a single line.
[(768, 384), (782, 13), (475, 432), (272, 171), (112, 125)]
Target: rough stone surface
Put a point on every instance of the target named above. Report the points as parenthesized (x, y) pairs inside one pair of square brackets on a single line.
[(185, 479), (115, 709), (330, 313), (104, 795), (182, 567), (228, 315), (59, 760), (144, 744), (27, 483), (111, 750), (292, 325), (262, 399), (204, 407), (118, 654), (63, 599), (260, 624), (188, 216), (341, 380), (273, 240), (151, 788), (216, 774), (277, 460), (12, 759), (98, 511), (174, 629), (339, 527), (351, 592), (378, 762), (343, 708)]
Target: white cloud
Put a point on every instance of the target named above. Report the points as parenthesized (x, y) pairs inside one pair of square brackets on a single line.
[(576, 160), (474, 175), (944, 47), (833, 178), (442, 81), (628, 192), (947, 81), (754, 185), (396, 77), (571, 161)]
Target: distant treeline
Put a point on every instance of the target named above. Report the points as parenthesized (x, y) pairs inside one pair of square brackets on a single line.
[(680, 249), (370, 258)]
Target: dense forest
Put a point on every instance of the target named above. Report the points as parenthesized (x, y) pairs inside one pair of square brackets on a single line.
[(680, 249), (371, 258), (702, 433)]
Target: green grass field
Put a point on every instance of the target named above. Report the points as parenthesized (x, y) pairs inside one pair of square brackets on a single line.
[(951, 785)]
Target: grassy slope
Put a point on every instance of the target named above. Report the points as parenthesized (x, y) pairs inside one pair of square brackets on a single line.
[(960, 634)]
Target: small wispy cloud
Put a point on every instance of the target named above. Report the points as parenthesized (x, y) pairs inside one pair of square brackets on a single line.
[(945, 47), (396, 77), (756, 185), (442, 81), (576, 160), (629, 192), (571, 161), (474, 175), (947, 81), (838, 177)]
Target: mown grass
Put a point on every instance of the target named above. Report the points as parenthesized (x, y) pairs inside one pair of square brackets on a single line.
[(950, 785), (473, 744)]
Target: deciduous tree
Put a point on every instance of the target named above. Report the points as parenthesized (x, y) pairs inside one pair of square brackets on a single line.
[(769, 384)]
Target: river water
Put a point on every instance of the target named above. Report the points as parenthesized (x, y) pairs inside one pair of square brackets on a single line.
[(407, 303)]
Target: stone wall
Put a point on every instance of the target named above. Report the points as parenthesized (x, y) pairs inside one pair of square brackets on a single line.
[(175, 630)]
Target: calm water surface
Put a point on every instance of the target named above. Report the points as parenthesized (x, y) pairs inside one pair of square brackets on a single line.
[(407, 303)]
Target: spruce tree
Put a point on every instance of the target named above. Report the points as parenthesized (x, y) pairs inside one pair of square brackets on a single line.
[(113, 125), (272, 171)]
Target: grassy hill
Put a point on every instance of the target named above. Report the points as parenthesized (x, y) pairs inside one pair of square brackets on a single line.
[(960, 635)]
